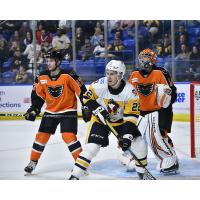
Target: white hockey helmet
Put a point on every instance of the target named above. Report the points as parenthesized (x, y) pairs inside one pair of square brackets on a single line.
[(117, 66)]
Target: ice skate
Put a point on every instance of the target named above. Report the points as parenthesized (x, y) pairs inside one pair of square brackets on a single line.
[(30, 167)]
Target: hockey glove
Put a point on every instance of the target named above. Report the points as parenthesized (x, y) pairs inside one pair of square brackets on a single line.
[(101, 114), (31, 113), (86, 113), (125, 141)]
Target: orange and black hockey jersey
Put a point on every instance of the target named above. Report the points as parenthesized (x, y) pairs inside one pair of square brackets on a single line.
[(145, 87), (59, 92)]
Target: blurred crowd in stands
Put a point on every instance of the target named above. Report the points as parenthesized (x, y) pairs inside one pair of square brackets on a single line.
[(17, 50)]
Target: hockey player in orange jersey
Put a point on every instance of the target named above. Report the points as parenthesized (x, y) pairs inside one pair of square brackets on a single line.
[(155, 96), (58, 89)]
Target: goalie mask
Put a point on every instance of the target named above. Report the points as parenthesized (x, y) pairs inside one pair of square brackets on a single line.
[(147, 58)]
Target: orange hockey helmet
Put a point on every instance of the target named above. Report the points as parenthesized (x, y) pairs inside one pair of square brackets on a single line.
[(147, 53), (147, 58)]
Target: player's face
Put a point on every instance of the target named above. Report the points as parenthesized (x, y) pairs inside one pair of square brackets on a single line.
[(51, 64), (112, 78), (144, 59), (145, 64)]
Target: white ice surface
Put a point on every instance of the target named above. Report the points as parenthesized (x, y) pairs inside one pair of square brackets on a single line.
[(16, 138)]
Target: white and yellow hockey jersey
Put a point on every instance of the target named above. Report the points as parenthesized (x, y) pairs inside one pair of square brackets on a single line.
[(122, 104)]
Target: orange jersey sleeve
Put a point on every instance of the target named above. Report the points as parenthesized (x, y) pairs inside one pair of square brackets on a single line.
[(60, 94), (145, 87)]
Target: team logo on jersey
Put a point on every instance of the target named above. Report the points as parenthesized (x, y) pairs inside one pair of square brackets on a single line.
[(55, 91), (112, 107), (145, 89)]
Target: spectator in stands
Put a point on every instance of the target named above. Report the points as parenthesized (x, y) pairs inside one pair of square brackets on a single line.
[(96, 37), (99, 25), (18, 60), (43, 37), (79, 39), (182, 39), (86, 50), (195, 59), (24, 29), (111, 24), (184, 54), (99, 50), (14, 46), (50, 25), (153, 28), (127, 24), (116, 48), (41, 61), (22, 75), (181, 31), (15, 37), (116, 28), (88, 27), (28, 39), (46, 46), (60, 41), (29, 52), (3, 51), (164, 48), (65, 25)]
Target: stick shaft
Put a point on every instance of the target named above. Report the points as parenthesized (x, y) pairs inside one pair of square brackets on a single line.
[(131, 152)]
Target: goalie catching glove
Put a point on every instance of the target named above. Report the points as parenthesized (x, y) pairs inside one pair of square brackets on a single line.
[(31, 113), (125, 141), (163, 95), (101, 114)]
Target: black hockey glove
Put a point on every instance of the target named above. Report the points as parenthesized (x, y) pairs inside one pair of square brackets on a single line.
[(125, 141), (86, 113), (101, 114), (31, 113)]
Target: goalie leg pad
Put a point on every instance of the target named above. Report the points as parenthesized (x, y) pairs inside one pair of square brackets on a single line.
[(139, 148), (159, 145), (83, 161), (142, 124)]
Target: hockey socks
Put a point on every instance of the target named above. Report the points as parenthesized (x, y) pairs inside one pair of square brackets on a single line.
[(39, 145), (73, 144)]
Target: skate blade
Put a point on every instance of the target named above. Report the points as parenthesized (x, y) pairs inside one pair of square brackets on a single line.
[(28, 174), (170, 173)]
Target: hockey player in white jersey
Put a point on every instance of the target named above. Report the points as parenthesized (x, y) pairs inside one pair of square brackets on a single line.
[(111, 98)]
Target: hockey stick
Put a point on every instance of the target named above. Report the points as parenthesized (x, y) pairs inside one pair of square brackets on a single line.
[(42, 115), (11, 115), (148, 174)]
